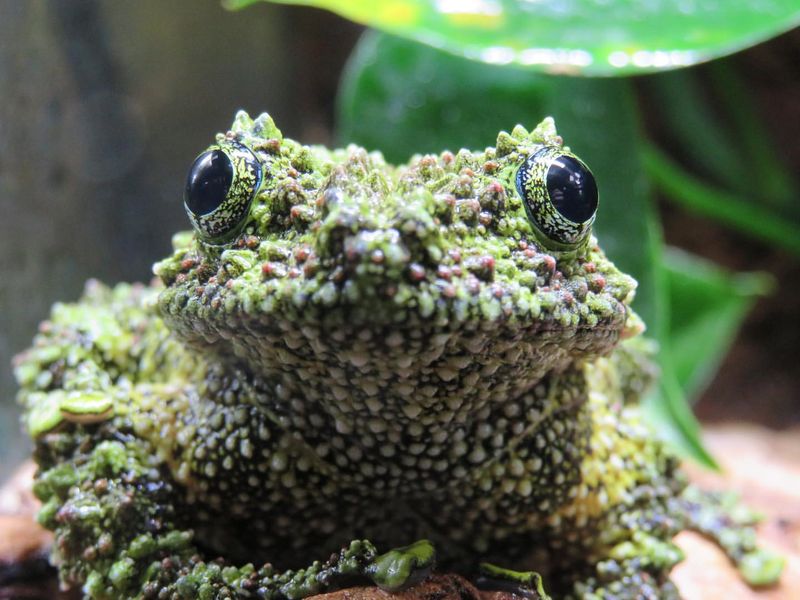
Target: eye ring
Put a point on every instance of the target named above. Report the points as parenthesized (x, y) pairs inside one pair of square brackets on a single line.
[(220, 186), (560, 196)]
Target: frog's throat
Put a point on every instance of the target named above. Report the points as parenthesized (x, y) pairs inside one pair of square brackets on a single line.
[(405, 373)]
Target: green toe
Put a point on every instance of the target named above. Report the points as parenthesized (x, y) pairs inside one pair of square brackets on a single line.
[(527, 584), (729, 523), (761, 567), (404, 567)]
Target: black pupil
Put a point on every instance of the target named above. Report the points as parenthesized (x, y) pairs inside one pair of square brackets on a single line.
[(572, 189), (208, 182)]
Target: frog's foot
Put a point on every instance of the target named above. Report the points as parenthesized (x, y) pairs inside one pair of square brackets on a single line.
[(722, 518), (527, 584), (394, 571), (637, 568)]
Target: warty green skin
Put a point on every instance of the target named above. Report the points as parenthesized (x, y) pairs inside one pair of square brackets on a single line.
[(377, 352)]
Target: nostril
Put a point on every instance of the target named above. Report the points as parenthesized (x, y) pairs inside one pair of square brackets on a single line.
[(359, 250), (329, 199), (353, 249), (377, 249), (341, 223), (332, 241)]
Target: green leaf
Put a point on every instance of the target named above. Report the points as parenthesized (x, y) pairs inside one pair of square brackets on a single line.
[(694, 125), (720, 134), (666, 407), (588, 37), (707, 307), (725, 207), (404, 98), (770, 179), (672, 417)]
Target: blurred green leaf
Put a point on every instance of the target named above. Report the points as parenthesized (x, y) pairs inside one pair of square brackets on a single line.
[(666, 406), (707, 307), (770, 179), (667, 409), (721, 136), (694, 125), (404, 98), (589, 37), (725, 207)]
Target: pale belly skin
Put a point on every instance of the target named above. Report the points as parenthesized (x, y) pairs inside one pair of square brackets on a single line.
[(369, 354)]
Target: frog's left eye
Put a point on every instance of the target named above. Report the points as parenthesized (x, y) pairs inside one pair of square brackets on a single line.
[(560, 195), (219, 188)]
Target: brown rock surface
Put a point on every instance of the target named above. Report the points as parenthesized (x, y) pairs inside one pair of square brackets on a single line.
[(762, 465), (25, 573), (436, 587), (20, 537)]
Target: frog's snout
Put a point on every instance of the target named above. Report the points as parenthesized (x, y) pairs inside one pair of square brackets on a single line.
[(373, 261), (383, 248), (354, 246), (374, 237)]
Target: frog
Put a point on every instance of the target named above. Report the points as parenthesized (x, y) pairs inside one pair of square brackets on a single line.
[(349, 371)]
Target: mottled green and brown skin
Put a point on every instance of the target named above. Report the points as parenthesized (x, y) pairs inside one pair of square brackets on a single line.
[(382, 353)]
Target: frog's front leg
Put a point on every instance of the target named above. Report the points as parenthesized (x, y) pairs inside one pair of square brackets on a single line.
[(635, 551), (123, 485), (723, 519), (600, 549), (638, 563), (601, 519), (636, 568), (119, 533)]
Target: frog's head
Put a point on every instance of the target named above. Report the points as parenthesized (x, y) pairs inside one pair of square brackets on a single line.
[(442, 283)]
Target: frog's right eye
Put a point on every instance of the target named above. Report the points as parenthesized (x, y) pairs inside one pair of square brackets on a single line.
[(220, 185), (560, 196)]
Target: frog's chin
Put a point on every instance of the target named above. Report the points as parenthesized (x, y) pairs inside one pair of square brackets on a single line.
[(407, 370), (392, 355)]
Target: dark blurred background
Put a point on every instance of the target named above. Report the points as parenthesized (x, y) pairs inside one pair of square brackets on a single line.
[(104, 104)]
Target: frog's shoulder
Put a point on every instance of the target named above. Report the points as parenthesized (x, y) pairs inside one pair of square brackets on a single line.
[(628, 372), (90, 351)]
